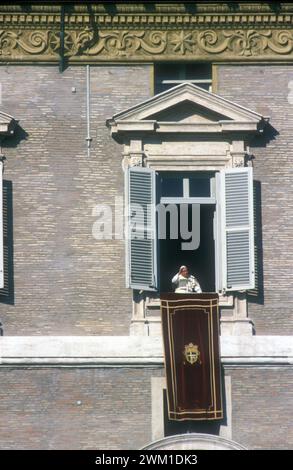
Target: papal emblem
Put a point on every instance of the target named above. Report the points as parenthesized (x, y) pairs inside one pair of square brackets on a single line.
[(192, 353)]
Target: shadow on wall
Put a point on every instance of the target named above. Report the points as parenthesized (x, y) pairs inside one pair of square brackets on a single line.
[(261, 140), (7, 293), (256, 295), (18, 135)]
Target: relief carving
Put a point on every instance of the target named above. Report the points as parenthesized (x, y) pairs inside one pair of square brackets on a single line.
[(136, 160), (124, 43), (183, 42), (142, 45), (238, 162), (74, 42), (132, 160), (246, 43), (35, 42)]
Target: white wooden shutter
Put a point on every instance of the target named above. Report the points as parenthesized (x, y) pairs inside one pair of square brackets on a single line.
[(141, 256), (1, 228), (235, 237)]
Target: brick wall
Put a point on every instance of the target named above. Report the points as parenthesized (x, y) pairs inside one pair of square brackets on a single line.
[(65, 281), (265, 89), (262, 412), (75, 408), (111, 408)]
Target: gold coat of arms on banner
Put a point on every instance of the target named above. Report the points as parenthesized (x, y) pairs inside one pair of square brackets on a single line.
[(192, 353)]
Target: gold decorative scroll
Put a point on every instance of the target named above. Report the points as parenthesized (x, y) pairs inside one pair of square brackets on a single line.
[(93, 45)]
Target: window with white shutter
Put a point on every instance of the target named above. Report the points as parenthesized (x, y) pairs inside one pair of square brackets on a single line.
[(233, 229), (141, 259), (235, 237)]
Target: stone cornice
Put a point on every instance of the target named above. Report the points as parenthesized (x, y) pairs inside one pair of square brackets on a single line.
[(147, 32), (135, 15), (159, 7), (134, 351)]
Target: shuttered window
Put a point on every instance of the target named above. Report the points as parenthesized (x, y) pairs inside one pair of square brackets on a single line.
[(233, 229), (235, 244), (141, 262)]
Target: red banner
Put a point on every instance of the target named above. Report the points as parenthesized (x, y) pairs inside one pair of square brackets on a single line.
[(191, 341)]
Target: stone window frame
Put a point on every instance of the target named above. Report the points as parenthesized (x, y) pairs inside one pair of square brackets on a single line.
[(232, 131), (145, 307)]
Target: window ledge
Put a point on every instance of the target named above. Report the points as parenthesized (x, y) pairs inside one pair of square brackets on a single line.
[(224, 301)]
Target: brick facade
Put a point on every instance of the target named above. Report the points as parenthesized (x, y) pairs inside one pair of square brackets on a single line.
[(55, 187), (111, 408), (65, 281), (266, 90), (68, 283), (261, 407), (75, 408)]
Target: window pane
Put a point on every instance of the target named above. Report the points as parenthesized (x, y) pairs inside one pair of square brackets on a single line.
[(175, 73), (169, 71), (160, 87), (199, 187), (172, 187), (198, 71)]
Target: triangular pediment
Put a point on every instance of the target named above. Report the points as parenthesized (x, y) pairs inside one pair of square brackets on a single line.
[(187, 112), (190, 106), (7, 124)]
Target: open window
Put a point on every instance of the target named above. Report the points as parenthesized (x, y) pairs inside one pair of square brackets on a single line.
[(187, 206), (223, 204)]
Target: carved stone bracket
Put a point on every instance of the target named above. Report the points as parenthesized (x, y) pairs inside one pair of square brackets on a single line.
[(238, 161), (134, 159), (238, 153), (86, 44)]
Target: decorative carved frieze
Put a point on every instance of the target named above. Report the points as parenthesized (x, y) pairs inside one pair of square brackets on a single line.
[(144, 45), (126, 31)]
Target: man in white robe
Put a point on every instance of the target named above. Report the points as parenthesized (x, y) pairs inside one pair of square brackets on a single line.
[(185, 283)]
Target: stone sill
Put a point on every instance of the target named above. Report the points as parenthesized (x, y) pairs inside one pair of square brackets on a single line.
[(131, 351)]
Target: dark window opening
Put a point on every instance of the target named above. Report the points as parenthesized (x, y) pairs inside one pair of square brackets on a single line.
[(199, 187), (172, 186), (168, 75), (186, 184), (201, 262)]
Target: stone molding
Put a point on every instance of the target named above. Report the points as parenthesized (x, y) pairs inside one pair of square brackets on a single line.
[(231, 116), (194, 441), (128, 32), (87, 45), (214, 133), (130, 351), (203, 13)]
